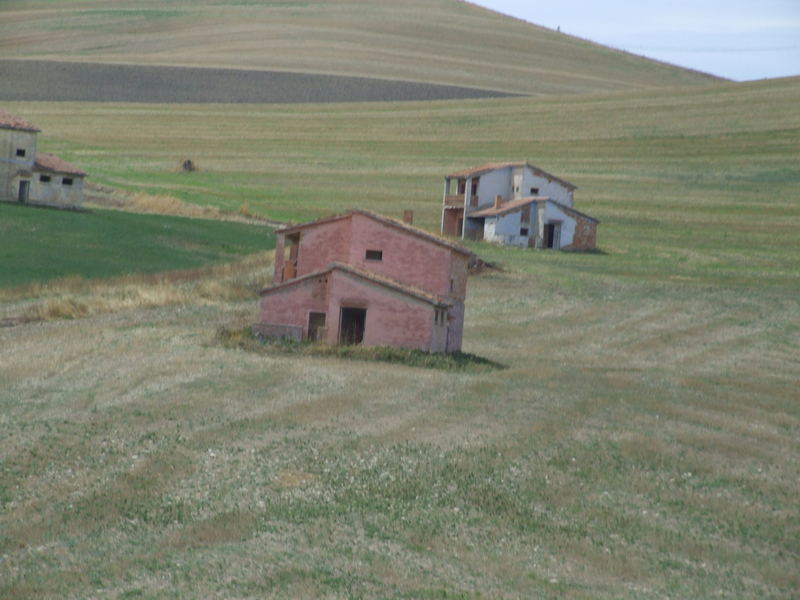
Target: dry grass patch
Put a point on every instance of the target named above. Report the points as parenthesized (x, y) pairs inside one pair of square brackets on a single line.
[(76, 297)]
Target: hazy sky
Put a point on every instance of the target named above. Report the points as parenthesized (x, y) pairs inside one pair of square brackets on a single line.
[(738, 39)]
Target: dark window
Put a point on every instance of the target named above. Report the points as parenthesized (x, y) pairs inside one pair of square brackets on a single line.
[(374, 255), (523, 231), (535, 191), (44, 178), (452, 284), (20, 151), (66, 180)]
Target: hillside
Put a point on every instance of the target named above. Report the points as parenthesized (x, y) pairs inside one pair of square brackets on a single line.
[(440, 41), (671, 173), (642, 441)]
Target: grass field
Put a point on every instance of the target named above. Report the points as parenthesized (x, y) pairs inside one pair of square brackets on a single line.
[(43, 244), (642, 441), (435, 41)]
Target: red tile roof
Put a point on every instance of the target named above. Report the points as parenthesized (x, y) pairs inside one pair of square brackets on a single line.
[(386, 282), (493, 166), (421, 233), (9, 121), (506, 207), (50, 162), (513, 205)]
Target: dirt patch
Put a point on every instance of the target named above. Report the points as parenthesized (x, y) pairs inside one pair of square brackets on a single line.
[(56, 81)]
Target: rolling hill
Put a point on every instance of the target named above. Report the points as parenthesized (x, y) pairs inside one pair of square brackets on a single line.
[(642, 440), (434, 41)]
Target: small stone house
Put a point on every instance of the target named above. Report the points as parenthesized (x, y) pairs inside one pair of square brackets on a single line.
[(515, 204), (31, 177), (362, 278)]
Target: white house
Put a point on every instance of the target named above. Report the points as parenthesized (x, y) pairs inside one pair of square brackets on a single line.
[(28, 176), (515, 203)]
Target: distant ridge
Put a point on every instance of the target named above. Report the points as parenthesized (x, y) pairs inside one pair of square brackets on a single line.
[(443, 42), (53, 81)]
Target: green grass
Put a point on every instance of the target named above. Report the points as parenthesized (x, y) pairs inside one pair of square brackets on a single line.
[(433, 41), (42, 244), (643, 440), (688, 184)]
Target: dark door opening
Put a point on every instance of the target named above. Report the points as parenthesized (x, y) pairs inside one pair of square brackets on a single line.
[(24, 188), (316, 326), (351, 325), (552, 233), (459, 226)]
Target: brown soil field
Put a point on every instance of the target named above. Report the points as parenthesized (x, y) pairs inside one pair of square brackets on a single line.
[(52, 81)]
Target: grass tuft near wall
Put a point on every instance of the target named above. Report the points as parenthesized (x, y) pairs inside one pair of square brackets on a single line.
[(244, 339)]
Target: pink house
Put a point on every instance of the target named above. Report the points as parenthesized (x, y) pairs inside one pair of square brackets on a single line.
[(361, 278)]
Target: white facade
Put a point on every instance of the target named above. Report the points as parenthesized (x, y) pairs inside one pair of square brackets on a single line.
[(533, 223), (17, 155), (479, 188), (28, 176)]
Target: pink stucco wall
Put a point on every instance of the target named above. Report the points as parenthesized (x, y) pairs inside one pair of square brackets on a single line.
[(392, 319), (408, 258)]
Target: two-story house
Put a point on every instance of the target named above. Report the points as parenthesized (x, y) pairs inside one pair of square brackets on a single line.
[(28, 176), (362, 278), (515, 204)]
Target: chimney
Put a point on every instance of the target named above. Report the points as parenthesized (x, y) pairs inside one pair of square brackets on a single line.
[(498, 200), (408, 216)]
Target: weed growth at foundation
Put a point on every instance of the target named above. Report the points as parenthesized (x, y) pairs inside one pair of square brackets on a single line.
[(244, 339)]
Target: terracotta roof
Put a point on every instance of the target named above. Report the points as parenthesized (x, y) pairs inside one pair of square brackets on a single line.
[(572, 210), (421, 233), (514, 205), (9, 121), (368, 276), (504, 165), (506, 207), (50, 162)]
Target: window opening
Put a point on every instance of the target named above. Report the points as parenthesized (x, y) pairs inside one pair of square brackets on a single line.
[(66, 180), (535, 191), (523, 231), (44, 178), (20, 151), (376, 255)]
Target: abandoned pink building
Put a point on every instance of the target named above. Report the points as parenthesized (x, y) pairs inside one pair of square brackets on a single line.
[(361, 278), (515, 204)]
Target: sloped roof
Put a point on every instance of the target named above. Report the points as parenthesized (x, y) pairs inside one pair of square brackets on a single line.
[(11, 121), (569, 209), (386, 282), (51, 162), (514, 205), (507, 207), (421, 233), (493, 166)]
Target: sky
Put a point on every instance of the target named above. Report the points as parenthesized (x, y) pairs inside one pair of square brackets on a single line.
[(736, 39)]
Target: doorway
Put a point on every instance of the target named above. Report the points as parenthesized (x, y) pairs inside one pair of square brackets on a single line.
[(24, 190), (351, 325), (552, 235)]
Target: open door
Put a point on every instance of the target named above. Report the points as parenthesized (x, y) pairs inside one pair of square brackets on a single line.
[(24, 190), (351, 325), (552, 235)]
